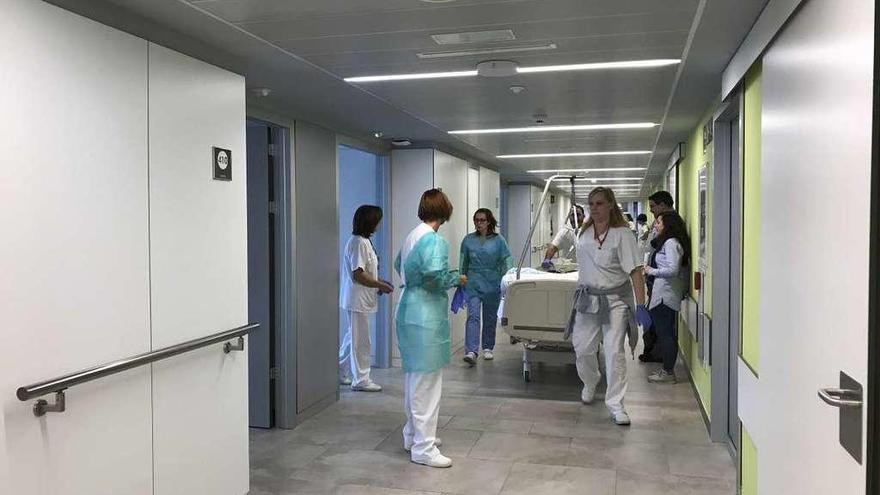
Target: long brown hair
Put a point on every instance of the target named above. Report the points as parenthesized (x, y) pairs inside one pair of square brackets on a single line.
[(616, 219)]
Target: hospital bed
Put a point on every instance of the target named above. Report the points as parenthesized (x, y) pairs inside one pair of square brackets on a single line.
[(535, 305), (534, 311)]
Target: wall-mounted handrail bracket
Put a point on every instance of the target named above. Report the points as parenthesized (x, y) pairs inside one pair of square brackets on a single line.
[(60, 384), (42, 406), (238, 346)]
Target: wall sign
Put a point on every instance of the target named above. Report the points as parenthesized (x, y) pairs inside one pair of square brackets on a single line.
[(222, 164)]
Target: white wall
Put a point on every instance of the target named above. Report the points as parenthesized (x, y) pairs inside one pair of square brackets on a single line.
[(91, 214), (490, 191), (198, 257), (519, 214)]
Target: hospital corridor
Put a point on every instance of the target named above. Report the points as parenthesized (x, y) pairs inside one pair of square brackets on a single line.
[(447, 247)]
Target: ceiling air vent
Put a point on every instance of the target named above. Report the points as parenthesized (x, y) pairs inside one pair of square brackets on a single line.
[(474, 37)]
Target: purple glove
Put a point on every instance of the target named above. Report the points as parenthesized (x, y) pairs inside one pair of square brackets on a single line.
[(547, 264), (643, 316), (459, 300)]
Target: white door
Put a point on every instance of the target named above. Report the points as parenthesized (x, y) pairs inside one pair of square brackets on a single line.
[(198, 237), (74, 261), (815, 175)]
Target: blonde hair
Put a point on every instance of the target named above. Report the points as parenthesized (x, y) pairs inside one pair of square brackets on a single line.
[(616, 219)]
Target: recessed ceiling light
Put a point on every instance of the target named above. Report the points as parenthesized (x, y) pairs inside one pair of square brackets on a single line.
[(490, 36), (486, 51), (584, 170), (632, 64), (557, 128), (579, 153)]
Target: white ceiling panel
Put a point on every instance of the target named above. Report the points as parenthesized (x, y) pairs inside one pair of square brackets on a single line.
[(302, 49)]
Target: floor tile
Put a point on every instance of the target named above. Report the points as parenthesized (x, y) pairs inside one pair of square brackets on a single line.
[(531, 479)]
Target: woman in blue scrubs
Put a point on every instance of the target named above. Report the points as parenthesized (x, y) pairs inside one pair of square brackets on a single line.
[(485, 258)]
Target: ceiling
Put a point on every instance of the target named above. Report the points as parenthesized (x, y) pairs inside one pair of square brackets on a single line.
[(302, 49)]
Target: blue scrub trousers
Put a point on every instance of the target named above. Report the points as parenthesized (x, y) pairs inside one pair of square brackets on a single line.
[(488, 303)]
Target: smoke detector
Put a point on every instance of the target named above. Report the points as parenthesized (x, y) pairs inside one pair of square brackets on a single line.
[(517, 89), (401, 142), (261, 92)]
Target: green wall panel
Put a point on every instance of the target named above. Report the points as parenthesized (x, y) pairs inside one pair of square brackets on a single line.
[(748, 464), (696, 156), (751, 143)]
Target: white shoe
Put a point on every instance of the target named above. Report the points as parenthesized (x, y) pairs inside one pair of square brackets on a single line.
[(367, 387), (662, 376), (438, 442), (487, 354), (438, 461), (345, 381), (470, 358), (587, 395), (621, 418)]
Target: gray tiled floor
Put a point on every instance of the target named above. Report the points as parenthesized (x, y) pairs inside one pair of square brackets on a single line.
[(504, 436)]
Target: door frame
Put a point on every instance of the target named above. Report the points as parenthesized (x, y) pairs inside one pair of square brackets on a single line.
[(723, 303), (384, 342), (873, 386)]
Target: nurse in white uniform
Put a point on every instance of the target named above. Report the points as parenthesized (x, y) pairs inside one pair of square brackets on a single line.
[(611, 293), (565, 240), (358, 296)]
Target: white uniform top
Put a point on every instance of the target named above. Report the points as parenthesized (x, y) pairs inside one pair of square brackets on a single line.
[(409, 243), (671, 278), (607, 267), (353, 296), (565, 241)]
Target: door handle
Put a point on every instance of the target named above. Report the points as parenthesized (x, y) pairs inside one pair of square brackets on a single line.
[(838, 397)]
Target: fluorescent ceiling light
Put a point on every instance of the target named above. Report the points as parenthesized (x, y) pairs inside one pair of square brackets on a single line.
[(592, 179), (557, 128), (584, 170), (632, 64), (403, 77), (579, 153), (486, 51)]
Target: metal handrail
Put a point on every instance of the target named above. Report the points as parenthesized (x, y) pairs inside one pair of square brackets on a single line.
[(60, 384)]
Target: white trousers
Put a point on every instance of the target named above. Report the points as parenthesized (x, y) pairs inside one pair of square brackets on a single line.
[(354, 350), (610, 329), (421, 400)]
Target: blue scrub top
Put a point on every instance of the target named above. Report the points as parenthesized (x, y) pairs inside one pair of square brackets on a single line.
[(484, 260)]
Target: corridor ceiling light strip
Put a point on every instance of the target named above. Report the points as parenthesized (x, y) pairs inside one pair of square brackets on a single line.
[(557, 128), (585, 170), (404, 77), (593, 179), (631, 64), (584, 153)]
